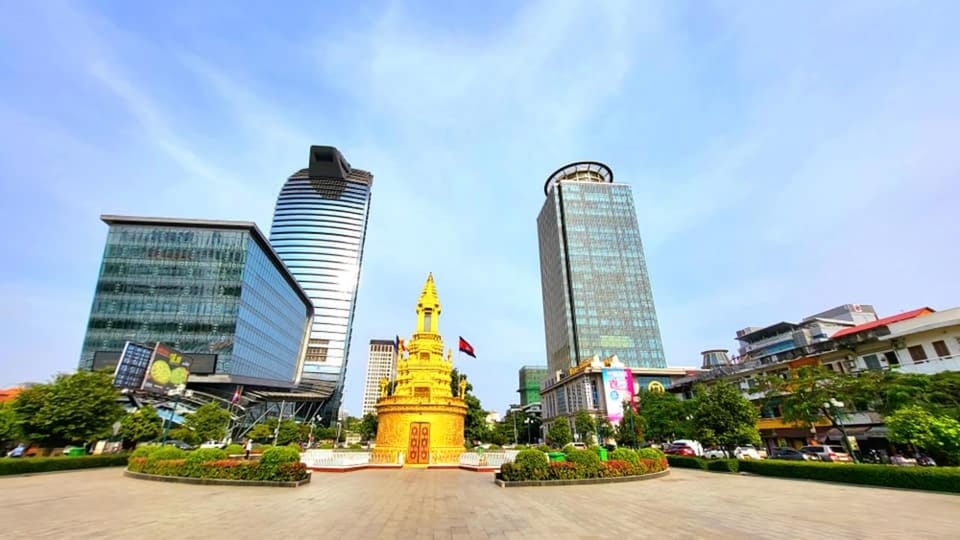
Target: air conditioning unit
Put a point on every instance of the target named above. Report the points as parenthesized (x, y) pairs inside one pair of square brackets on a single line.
[(850, 362)]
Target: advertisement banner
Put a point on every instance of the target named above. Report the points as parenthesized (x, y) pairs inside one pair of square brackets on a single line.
[(132, 365), (617, 388), (168, 370)]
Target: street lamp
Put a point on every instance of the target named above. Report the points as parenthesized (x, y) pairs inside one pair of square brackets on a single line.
[(338, 433)]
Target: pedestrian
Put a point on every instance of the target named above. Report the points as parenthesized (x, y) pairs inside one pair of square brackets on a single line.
[(247, 448)]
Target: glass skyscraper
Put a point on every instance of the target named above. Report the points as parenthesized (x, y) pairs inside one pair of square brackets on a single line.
[(212, 288), (596, 291), (319, 227)]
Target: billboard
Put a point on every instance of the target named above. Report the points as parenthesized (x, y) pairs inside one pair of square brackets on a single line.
[(168, 370), (132, 365), (617, 388)]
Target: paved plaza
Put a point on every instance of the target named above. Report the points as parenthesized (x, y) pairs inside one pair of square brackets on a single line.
[(458, 504)]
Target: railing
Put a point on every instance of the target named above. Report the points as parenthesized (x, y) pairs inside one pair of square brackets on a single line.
[(329, 458), (930, 366), (490, 459)]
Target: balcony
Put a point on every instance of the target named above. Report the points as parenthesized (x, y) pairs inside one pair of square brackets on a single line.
[(931, 366)]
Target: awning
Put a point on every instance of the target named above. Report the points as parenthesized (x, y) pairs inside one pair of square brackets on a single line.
[(856, 431)]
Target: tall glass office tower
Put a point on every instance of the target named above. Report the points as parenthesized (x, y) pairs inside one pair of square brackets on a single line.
[(319, 227), (596, 291)]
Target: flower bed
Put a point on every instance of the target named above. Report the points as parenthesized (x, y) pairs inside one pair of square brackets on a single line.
[(533, 466), (275, 465)]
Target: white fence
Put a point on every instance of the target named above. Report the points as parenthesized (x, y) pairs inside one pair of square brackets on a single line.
[(491, 459), (329, 458)]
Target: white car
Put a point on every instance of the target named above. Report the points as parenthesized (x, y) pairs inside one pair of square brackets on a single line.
[(715, 453), (746, 452), (212, 444)]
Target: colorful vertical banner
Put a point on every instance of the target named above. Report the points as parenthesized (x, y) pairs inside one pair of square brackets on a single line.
[(617, 388)]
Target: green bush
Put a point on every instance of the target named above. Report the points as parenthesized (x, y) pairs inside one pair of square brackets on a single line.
[(568, 448), (528, 465), (166, 452), (544, 448), (143, 451), (227, 469), (46, 464), (650, 453), (202, 455), (723, 465), (625, 454), (234, 449), (685, 462), (272, 457), (927, 478), (588, 463)]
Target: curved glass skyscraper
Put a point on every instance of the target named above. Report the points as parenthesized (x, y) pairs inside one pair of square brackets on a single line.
[(319, 226)]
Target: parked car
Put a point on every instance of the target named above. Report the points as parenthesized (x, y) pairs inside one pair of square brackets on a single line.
[(680, 449), (832, 453), (792, 454), (579, 445), (746, 452), (179, 444), (715, 453), (694, 445), (213, 444)]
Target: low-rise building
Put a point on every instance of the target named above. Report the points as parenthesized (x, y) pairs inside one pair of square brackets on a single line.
[(601, 388)]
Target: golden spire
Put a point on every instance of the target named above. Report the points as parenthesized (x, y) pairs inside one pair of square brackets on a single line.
[(429, 298)]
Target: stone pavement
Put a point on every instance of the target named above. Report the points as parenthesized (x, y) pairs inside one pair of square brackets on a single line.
[(454, 504)]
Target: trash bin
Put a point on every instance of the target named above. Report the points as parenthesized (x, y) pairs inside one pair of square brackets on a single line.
[(556, 456), (602, 452), (76, 451)]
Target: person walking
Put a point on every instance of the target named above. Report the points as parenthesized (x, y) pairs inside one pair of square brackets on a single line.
[(247, 448)]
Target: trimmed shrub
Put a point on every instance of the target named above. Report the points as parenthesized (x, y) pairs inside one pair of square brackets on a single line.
[(47, 464), (588, 463), (650, 453), (544, 448), (234, 449), (615, 468), (723, 465), (625, 454), (202, 455), (143, 451), (685, 462), (568, 448), (926, 478), (563, 470), (531, 465), (225, 469), (271, 457), (166, 452)]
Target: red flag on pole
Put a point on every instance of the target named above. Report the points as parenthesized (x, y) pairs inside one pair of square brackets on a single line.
[(466, 348)]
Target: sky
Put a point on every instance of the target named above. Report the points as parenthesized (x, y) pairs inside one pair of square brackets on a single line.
[(785, 157)]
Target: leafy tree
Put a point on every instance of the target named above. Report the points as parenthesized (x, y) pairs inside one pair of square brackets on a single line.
[(142, 425), (559, 434), (209, 422), (721, 415), (606, 430), (262, 432), (664, 417), (186, 435), (73, 409), (368, 427), (9, 427), (475, 426), (630, 428), (289, 432), (938, 435), (585, 424)]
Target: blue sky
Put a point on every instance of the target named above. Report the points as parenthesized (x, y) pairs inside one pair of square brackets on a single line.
[(785, 157)]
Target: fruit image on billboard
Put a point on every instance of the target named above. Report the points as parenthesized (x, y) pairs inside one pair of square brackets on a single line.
[(168, 370)]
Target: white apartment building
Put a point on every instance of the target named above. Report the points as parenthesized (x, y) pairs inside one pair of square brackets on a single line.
[(381, 364)]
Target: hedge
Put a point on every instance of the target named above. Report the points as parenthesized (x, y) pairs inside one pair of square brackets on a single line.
[(579, 467), (926, 478), (47, 464), (278, 464), (685, 462)]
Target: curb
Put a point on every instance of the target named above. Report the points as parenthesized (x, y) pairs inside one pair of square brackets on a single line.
[(581, 482), (214, 481)]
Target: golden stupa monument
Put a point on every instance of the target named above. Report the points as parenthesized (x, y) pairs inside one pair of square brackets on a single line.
[(420, 421)]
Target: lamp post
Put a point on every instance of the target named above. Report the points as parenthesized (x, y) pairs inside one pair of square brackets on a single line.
[(514, 416), (836, 407), (338, 432), (528, 421)]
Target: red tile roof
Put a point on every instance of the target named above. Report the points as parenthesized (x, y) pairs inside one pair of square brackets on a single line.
[(882, 322), (9, 394)]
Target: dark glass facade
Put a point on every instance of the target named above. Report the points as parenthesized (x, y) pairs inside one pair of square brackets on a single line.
[(200, 287), (319, 227), (596, 292)]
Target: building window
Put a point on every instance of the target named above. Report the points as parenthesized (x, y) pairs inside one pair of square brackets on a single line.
[(427, 319), (872, 361), (917, 353), (941, 349), (891, 357)]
